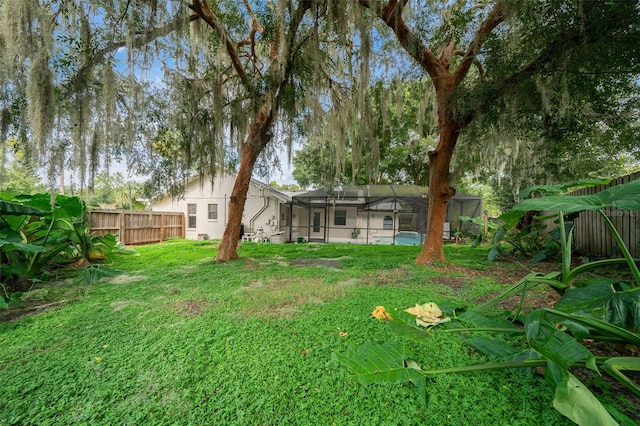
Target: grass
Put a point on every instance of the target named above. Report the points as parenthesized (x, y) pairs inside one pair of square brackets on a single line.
[(184, 340)]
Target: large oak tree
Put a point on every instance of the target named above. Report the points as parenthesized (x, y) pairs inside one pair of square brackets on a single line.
[(521, 61), (235, 73)]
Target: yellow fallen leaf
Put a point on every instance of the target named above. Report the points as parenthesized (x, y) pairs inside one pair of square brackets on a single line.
[(342, 334), (428, 314), (380, 313), (428, 310)]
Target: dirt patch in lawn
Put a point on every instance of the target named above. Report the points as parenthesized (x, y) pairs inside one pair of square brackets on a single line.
[(501, 272), (190, 308), (387, 277), (123, 279), (282, 298), (311, 263)]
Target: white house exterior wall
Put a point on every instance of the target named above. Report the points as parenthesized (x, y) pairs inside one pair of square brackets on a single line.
[(261, 210)]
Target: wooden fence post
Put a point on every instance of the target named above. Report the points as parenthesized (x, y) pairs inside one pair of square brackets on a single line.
[(123, 240), (162, 227)]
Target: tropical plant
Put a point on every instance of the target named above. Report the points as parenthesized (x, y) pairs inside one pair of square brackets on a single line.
[(595, 310), (38, 236), (520, 230), (31, 237), (520, 235), (482, 223)]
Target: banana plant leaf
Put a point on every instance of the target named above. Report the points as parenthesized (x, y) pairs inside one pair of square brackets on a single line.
[(475, 319), (68, 207), (404, 325), (562, 188), (8, 246), (590, 300), (17, 209), (601, 300), (600, 330), (499, 350), (39, 201), (580, 405), (552, 343), (64, 206), (383, 363), (625, 197), (94, 273)]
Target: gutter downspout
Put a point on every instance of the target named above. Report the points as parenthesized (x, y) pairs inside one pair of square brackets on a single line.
[(264, 207)]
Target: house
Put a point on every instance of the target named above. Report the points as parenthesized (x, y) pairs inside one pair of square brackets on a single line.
[(206, 208), (374, 214), (368, 214)]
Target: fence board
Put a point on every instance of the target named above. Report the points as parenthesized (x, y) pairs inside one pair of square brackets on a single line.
[(137, 227), (591, 234)]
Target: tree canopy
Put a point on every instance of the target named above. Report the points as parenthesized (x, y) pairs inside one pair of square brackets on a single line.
[(515, 65), (178, 88), (401, 130)]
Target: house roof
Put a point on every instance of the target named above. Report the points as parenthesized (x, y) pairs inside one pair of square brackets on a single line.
[(371, 196), (272, 191), (365, 195), (367, 191)]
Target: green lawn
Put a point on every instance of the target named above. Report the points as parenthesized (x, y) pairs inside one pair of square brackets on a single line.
[(183, 340)]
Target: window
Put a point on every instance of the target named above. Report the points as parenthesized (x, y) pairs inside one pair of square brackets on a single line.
[(340, 217), (387, 222), (213, 212), (191, 215)]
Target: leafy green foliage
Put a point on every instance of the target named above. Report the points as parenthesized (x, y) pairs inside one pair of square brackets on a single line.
[(562, 188), (383, 363), (523, 240), (94, 273), (580, 405), (625, 197), (601, 310), (481, 222), (38, 235)]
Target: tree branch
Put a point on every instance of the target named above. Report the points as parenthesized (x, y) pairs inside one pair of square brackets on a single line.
[(391, 14), (509, 82), (99, 56), (294, 24), (201, 7), (476, 62), (495, 17)]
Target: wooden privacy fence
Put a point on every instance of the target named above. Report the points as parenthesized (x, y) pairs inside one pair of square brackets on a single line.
[(138, 227), (591, 234)]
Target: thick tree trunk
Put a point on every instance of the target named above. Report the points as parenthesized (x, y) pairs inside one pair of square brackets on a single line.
[(440, 192), (259, 136), (440, 189)]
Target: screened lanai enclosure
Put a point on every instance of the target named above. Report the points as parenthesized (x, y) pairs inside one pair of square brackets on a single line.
[(374, 214)]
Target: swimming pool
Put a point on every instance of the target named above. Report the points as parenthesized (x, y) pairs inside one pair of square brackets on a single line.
[(405, 238)]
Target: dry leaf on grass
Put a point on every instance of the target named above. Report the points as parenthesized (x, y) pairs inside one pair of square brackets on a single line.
[(380, 313), (428, 314)]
